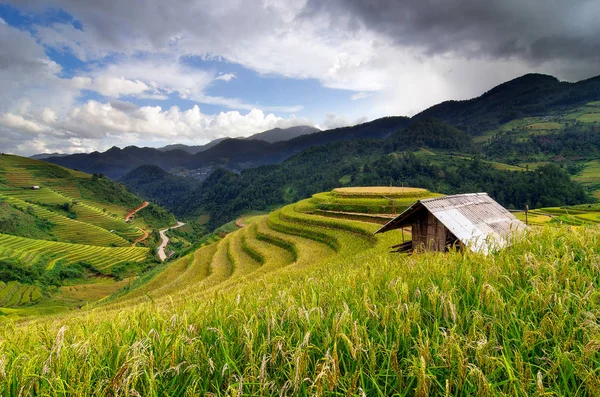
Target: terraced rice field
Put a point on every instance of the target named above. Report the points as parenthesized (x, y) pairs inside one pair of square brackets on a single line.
[(290, 237), (296, 303), (58, 186), (295, 236), (70, 230), (85, 212), (389, 191), (591, 176), (14, 293), (29, 251), (569, 216), (374, 204), (97, 217)]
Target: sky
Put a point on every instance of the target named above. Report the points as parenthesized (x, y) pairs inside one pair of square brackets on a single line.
[(79, 76)]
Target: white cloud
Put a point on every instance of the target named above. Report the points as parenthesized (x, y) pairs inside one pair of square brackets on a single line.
[(117, 86), (272, 37), (2, 21), (159, 76), (360, 95), (18, 122), (27, 75), (99, 125), (226, 76), (333, 120)]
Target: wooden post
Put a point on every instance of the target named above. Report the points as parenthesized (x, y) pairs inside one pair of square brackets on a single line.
[(402, 235), (527, 214)]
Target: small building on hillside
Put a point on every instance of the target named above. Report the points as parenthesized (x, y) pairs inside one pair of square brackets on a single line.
[(471, 220), (35, 187)]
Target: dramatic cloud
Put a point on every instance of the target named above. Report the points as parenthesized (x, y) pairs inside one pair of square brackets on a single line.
[(535, 30), (392, 58)]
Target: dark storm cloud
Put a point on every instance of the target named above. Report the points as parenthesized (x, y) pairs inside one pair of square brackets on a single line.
[(533, 30), (125, 107)]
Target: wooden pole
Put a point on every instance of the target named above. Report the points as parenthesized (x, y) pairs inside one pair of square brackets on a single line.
[(527, 214)]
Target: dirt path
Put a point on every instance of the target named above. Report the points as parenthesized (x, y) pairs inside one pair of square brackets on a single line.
[(132, 212), (140, 239), (165, 241)]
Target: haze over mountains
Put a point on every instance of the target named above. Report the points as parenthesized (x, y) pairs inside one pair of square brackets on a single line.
[(271, 136)]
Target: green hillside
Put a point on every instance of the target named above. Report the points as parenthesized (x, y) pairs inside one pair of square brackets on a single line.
[(64, 240), (305, 303)]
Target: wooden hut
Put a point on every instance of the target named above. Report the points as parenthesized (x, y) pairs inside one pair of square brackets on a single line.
[(473, 220)]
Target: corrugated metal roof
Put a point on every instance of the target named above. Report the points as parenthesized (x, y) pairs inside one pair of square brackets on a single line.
[(475, 219)]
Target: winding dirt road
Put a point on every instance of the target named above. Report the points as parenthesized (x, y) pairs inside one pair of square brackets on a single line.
[(165, 241), (141, 238), (132, 212)]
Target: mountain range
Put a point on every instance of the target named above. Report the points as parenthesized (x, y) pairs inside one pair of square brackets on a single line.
[(271, 136), (232, 154), (526, 96)]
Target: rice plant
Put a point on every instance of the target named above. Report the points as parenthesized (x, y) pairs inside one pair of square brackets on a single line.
[(317, 320)]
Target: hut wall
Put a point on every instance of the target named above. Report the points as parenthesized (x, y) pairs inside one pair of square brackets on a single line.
[(428, 233)]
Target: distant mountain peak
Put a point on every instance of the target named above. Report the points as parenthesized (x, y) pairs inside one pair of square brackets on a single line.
[(42, 156), (284, 134), (271, 136)]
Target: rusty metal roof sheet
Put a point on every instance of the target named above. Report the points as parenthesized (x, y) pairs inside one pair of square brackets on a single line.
[(475, 219)]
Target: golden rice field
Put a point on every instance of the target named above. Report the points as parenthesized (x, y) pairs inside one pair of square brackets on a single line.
[(371, 208), (296, 303), (29, 251), (393, 191)]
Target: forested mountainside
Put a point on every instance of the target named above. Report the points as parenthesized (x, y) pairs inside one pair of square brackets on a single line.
[(522, 125), (526, 96), (429, 154)]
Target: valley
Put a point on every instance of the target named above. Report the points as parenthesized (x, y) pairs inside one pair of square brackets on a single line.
[(266, 276)]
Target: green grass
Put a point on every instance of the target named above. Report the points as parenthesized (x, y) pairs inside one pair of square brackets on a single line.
[(346, 179), (533, 165), (503, 166), (365, 322), (590, 174), (589, 118), (300, 304), (545, 126)]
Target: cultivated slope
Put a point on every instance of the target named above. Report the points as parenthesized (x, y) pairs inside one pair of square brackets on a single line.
[(299, 303), (64, 239)]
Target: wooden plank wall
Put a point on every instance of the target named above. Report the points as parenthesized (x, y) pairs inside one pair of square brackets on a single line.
[(428, 233)]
